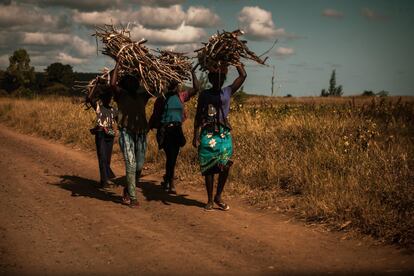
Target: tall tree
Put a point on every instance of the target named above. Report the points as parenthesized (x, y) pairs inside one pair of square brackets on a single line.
[(19, 72), (333, 90), (332, 84), (57, 72)]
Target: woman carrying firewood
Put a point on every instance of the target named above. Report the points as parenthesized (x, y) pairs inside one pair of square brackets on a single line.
[(167, 117), (214, 142), (133, 128)]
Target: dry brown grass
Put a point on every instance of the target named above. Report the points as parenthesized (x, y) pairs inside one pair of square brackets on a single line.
[(343, 163)]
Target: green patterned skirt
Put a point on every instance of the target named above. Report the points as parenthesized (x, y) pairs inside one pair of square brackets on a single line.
[(215, 150)]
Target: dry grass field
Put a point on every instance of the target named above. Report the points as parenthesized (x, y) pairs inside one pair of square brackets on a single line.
[(344, 162)]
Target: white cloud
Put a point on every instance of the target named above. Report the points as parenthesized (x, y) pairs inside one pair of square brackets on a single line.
[(202, 17), (258, 24), (56, 39), (162, 3), (100, 18), (182, 35), (13, 16), (285, 51), (183, 48), (44, 58), (66, 58), (151, 17), (83, 47), (332, 13), (372, 15), (84, 5), (160, 17)]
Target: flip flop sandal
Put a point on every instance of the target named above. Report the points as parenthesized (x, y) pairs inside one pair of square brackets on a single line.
[(222, 206), (172, 191), (165, 186), (209, 207)]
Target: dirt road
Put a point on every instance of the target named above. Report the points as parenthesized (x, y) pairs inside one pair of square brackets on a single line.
[(53, 220)]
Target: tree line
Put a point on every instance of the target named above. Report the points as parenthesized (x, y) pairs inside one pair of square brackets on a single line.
[(337, 91), (21, 80)]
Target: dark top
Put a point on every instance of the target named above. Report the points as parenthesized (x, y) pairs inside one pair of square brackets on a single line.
[(213, 107), (131, 108)]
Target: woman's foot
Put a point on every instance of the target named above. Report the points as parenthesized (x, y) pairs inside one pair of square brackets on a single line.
[(172, 189), (209, 206), (133, 203), (165, 186), (125, 197), (107, 184), (223, 206)]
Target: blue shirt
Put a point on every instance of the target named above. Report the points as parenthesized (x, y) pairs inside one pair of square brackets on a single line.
[(173, 110)]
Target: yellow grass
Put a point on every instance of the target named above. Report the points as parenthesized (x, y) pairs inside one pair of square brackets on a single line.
[(347, 163)]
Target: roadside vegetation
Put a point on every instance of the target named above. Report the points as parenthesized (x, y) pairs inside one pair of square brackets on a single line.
[(346, 162)]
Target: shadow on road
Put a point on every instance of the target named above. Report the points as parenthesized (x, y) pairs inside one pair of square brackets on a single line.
[(151, 190), (80, 186)]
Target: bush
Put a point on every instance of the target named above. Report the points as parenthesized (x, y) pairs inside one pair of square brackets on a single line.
[(368, 93), (383, 93), (57, 89), (23, 92), (3, 93)]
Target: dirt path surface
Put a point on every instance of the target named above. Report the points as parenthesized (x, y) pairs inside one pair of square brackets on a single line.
[(54, 220)]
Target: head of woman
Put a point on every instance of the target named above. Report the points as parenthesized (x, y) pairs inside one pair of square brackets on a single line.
[(129, 83), (217, 79), (106, 97), (173, 87)]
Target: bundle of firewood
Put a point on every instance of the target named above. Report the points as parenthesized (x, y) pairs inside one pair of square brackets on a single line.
[(178, 62), (136, 59), (224, 49)]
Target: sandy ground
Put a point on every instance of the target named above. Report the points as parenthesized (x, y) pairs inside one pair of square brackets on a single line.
[(55, 221)]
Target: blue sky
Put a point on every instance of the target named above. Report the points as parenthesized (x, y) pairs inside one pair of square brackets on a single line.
[(369, 43)]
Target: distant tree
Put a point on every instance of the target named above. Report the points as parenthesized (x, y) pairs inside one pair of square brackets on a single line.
[(333, 90), (332, 84), (338, 91), (2, 79), (368, 93), (383, 93), (288, 96), (20, 73), (23, 92), (324, 93), (57, 72)]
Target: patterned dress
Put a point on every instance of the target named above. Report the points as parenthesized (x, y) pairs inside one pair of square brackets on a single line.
[(216, 145)]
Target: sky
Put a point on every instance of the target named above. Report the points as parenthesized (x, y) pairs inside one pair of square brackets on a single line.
[(367, 42)]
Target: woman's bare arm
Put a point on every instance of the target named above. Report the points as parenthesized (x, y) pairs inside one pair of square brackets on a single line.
[(240, 79), (114, 79), (196, 84)]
